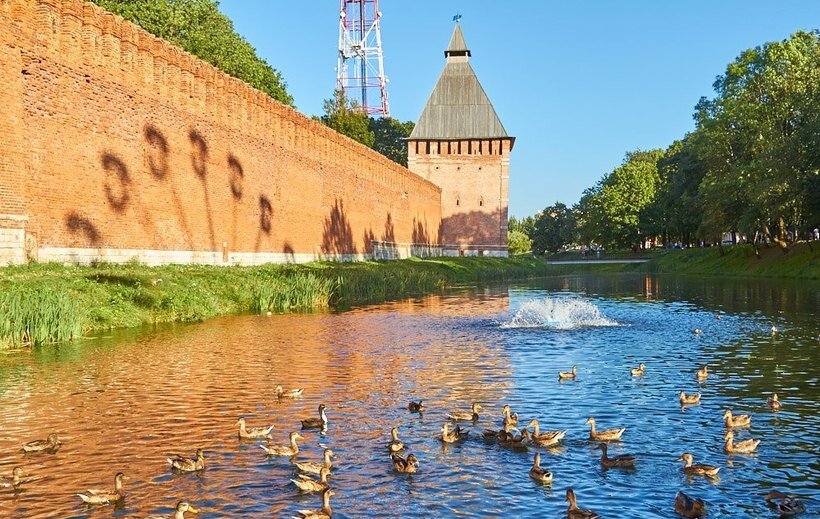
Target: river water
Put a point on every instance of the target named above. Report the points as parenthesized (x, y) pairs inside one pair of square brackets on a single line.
[(125, 400)]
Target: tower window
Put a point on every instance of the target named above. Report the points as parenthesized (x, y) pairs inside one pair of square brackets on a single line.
[(458, 202), (481, 202)]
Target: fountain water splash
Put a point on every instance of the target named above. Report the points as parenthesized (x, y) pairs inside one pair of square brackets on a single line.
[(563, 313)]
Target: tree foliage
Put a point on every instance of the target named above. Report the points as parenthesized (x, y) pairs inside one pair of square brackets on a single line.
[(554, 228), (198, 27), (389, 137), (518, 242), (347, 118)]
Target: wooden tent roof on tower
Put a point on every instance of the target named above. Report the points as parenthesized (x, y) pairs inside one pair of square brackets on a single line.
[(458, 108)]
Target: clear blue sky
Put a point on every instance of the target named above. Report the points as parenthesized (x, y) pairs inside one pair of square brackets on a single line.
[(577, 83)]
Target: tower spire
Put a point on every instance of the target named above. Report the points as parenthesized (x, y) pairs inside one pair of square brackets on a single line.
[(457, 47)]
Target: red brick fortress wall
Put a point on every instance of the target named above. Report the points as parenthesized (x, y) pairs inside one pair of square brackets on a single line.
[(116, 145), (474, 179)]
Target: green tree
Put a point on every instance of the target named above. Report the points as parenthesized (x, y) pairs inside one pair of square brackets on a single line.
[(518, 242), (389, 137), (554, 228), (347, 118), (198, 27)]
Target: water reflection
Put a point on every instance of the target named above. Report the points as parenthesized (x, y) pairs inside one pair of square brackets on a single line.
[(126, 401)]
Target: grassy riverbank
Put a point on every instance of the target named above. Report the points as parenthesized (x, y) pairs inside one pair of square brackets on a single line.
[(50, 303), (801, 262)]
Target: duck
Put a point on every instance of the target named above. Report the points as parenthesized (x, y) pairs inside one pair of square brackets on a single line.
[(515, 441), (546, 438), (188, 464), (405, 466), (416, 407), (315, 467), (471, 415), (785, 504), (179, 512), (17, 478), (773, 402), (639, 371), (501, 434), (743, 446), (448, 436), (254, 432), (287, 393), (395, 444), (105, 497), (608, 435), (574, 512), (539, 473), (774, 330), (316, 423), (697, 469), (325, 513), (51, 444), (698, 331), (509, 418), (741, 420), (689, 399), (620, 461), (310, 485), (563, 375), (703, 373), (284, 450), (688, 507)]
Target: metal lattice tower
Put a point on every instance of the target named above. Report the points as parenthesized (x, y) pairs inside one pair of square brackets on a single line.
[(360, 71)]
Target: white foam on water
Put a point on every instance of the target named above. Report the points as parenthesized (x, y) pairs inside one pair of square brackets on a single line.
[(563, 313)]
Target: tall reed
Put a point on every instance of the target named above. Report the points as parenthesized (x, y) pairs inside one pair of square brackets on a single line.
[(37, 314), (297, 291)]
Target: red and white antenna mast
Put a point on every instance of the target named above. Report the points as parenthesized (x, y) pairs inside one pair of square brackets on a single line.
[(360, 71)]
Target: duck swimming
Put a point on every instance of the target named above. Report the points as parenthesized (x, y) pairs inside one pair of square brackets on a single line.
[(786, 505), (689, 399), (564, 375), (51, 444), (254, 432), (546, 438), (608, 435), (188, 464), (289, 393), (697, 469), (471, 415), (509, 418), (105, 497), (315, 467), (688, 507), (773, 402), (310, 485), (620, 461), (743, 446), (179, 512), (405, 466), (17, 478), (539, 473), (741, 420), (395, 444), (316, 423), (416, 407), (325, 513), (703, 374), (291, 449), (639, 371), (574, 512), (456, 435)]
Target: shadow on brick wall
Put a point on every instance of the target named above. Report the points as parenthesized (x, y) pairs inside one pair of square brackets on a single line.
[(80, 225), (337, 237)]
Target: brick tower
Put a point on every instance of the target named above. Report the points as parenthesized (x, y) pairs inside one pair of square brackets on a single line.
[(460, 145)]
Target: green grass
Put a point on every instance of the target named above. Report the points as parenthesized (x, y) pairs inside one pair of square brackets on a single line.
[(801, 262), (45, 303)]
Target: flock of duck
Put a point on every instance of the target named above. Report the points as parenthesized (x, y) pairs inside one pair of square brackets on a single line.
[(313, 476)]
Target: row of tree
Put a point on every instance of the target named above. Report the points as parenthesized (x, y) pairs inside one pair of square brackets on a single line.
[(751, 166), (198, 27)]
